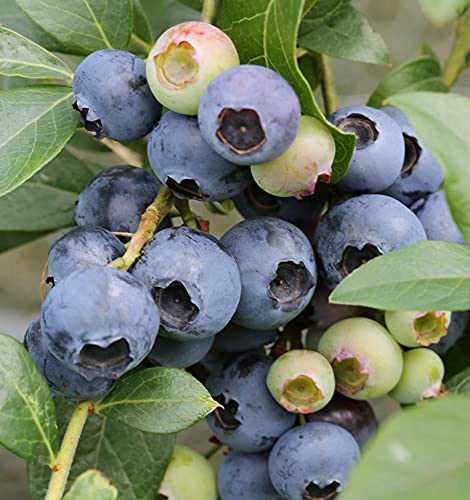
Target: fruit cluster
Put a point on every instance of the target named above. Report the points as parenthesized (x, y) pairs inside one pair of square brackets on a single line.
[(240, 306)]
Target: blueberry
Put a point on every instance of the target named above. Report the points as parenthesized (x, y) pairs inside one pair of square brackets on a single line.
[(183, 161), (194, 281), (423, 371), (245, 475), (235, 338), (417, 328), (62, 381), (421, 173), (99, 322), (366, 359), (169, 352), (312, 461), (79, 247), (434, 213), (249, 114), (112, 96), (189, 476), (458, 322), (116, 198), (307, 162), (359, 229), (357, 417), (250, 420), (278, 271), (184, 60), (378, 156)]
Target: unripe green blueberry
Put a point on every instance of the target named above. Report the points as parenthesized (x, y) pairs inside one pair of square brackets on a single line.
[(366, 359), (417, 328), (301, 381), (189, 476), (184, 60), (307, 161), (423, 371)]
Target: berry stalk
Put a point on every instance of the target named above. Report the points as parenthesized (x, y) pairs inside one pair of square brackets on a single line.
[(456, 59), (328, 88), (209, 10), (186, 213)]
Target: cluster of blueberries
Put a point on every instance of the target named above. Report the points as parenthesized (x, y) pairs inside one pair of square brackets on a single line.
[(236, 131)]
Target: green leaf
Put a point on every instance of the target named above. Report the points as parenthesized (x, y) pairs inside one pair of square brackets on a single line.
[(441, 121), (427, 276), (421, 453), (43, 123), (47, 200), (22, 57), (160, 400), (460, 383), (423, 73), (141, 32), (92, 484), (428, 51), (443, 11), (337, 29), (134, 461), (193, 4), (83, 26), (310, 65), (27, 418), (13, 239), (265, 33)]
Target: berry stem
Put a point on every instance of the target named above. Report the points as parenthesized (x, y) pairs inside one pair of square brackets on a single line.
[(209, 10), (456, 59), (63, 463), (328, 88), (149, 221), (186, 213), (147, 47), (302, 419), (130, 157), (212, 451)]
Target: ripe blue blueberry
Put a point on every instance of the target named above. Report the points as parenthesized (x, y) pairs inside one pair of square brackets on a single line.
[(421, 173), (359, 229), (112, 96), (183, 161), (195, 282), (357, 417), (79, 247), (245, 475), (249, 114), (434, 213), (169, 352), (235, 338), (62, 381), (116, 198), (312, 461), (99, 322), (250, 419), (277, 268), (378, 156)]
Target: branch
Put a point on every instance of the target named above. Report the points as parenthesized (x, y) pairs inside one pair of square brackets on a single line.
[(456, 59)]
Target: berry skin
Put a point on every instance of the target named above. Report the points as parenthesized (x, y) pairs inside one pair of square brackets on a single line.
[(189, 476), (357, 417), (99, 322), (378, 156), (301, 381), (245, 475), (116, 198), (417, 328), (183, 161), (195, 282), (112, 96), (423, 371), (250, 420), (249, 114), (169, 352), (79, 247), (458, 322), (421, 173), (359, 229), (366, 359), (62, 381), (184, 60), (307, 161), (312, 461), (235, 338), (277, 268), (434, 213)]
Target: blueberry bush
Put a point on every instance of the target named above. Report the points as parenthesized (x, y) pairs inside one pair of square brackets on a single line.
[(348, 281)]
